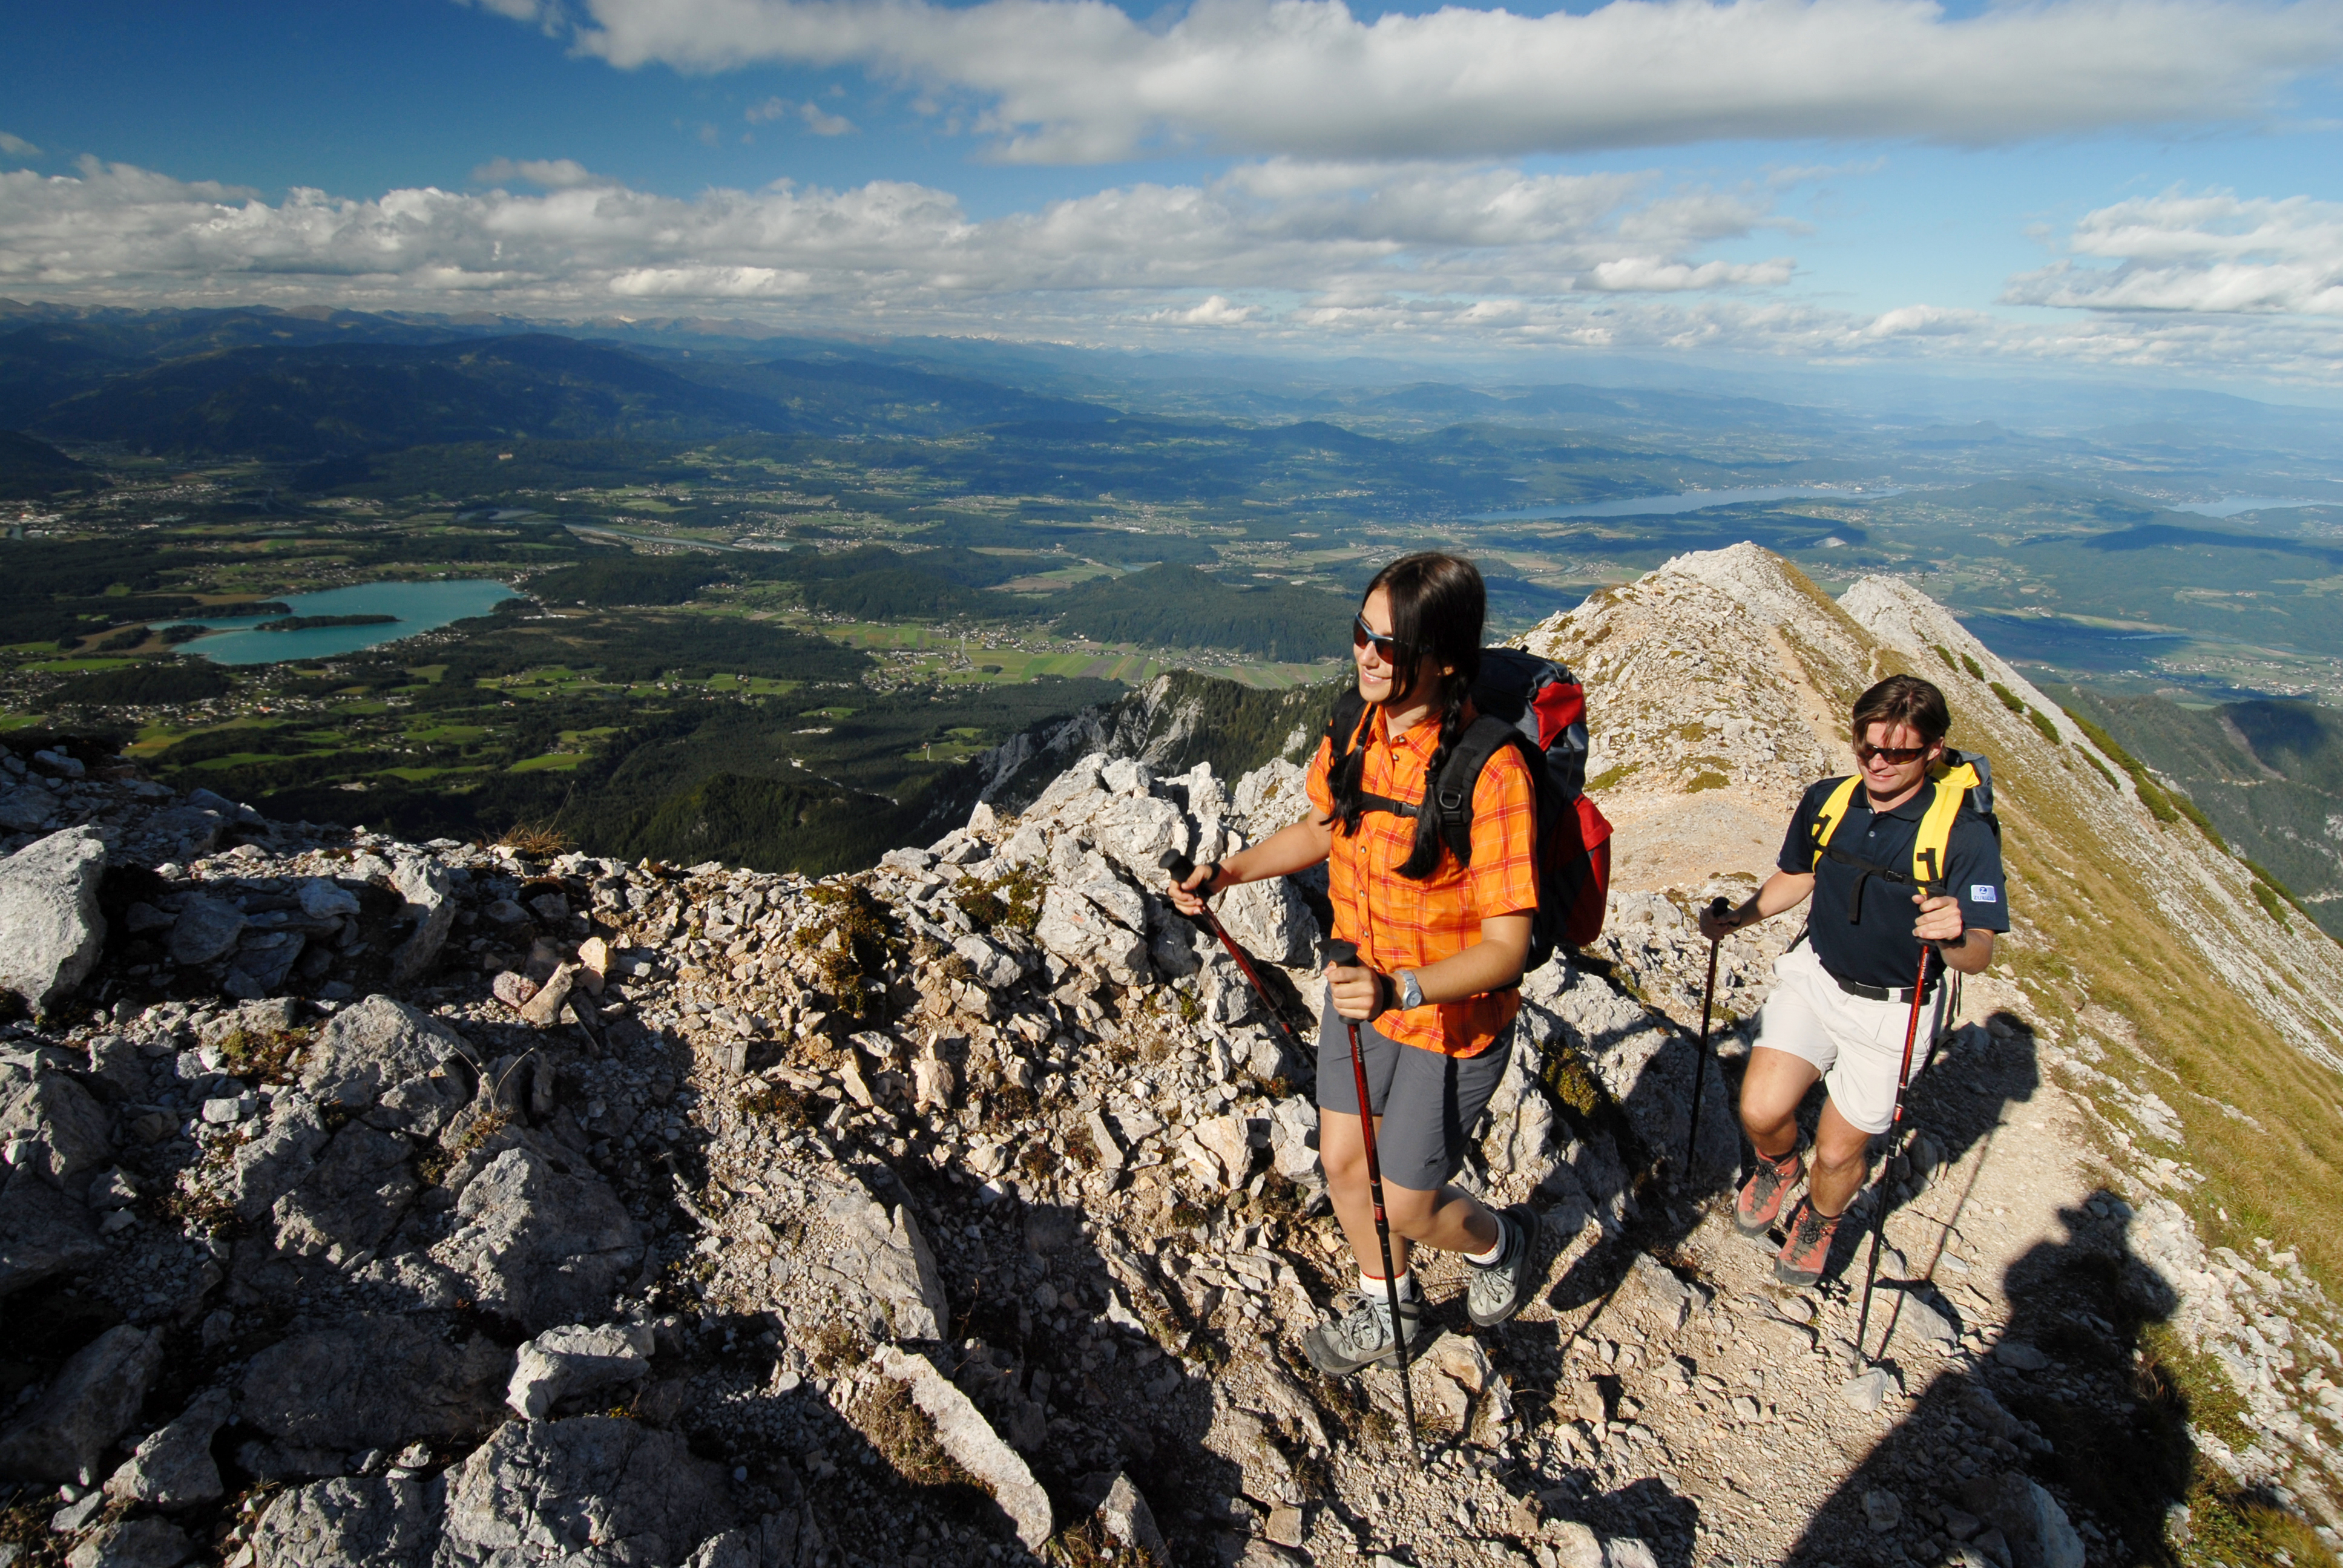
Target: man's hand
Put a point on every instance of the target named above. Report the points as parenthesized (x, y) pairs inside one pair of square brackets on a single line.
[(1940, 918), (1358, 991), (1187, 897), (1716, 929)]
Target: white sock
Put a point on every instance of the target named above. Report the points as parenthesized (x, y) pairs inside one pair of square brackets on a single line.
[(1495, 1251), (1372, 1287)]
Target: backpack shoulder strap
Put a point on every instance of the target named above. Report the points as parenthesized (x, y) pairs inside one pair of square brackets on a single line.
[(1833, 812), (1342, 723), (1451, 793), (1928, 846)]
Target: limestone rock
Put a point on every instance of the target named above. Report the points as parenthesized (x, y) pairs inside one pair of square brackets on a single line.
[(962, 1432), (374, 1381), (544, 1006), (567, 1362), (2029, 1518), (350, 1521), (1227, 1141), (322, 899), (25, 809), (133, 1543), (43, 1234), (896, 1267), (48, 906), (431, 906), (1576, 1546), (85, 1407), (347, 1203), (368, 1047), (59, 1131), (538, 1244), (994, 968), (595, 1492), (1128, 1519), (1866, 1390), (1269, 921), (1080, 930), (208, 929), (172, 1467)]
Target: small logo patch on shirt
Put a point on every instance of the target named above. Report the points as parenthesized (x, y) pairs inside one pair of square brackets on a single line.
[(1983, 893)]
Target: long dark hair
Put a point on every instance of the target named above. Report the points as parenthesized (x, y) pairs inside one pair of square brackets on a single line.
[(1437, 608)]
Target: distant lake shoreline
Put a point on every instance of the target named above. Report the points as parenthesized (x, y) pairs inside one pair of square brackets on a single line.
[(412, 608), (1690, 501)]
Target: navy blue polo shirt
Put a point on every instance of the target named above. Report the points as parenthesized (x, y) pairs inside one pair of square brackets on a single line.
[(1879, 948)]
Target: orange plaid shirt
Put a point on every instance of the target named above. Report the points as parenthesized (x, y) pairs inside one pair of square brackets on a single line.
[(1399, 923)]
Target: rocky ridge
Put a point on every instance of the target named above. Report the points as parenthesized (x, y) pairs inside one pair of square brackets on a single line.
[(395, 1204)]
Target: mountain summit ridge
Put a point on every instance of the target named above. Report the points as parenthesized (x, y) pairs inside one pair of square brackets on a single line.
[(975, 1194)]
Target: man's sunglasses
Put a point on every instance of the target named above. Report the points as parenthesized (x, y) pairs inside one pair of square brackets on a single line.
[(1898, 755), (1385, 645)]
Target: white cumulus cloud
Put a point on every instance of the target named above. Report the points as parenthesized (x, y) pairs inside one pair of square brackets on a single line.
[(2212, 252), (1277, 254), (552, 173), (17, 146), (1080, 80)]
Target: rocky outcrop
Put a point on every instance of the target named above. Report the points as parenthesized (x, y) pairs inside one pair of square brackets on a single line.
[(595, 1492), (48, 906), (361, 1522), (83, 1408), (374, 1382), (567, 1364), (539, 1244)]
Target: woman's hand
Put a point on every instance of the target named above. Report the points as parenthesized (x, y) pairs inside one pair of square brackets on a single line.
[(1187, 897), (1358, 991)]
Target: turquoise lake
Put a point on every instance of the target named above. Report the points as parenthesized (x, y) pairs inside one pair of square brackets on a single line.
[(419, 607)]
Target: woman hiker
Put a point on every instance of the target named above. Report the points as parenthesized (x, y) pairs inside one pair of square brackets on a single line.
[(1441, 946), (1841, 999)]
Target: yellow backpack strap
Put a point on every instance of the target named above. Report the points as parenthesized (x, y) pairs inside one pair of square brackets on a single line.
[(1833, 812), (1928, 846)]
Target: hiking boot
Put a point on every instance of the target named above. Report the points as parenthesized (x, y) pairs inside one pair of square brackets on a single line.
[(1501, 1289), (1362, 1335), (1759, 1202), (1807, 1250)]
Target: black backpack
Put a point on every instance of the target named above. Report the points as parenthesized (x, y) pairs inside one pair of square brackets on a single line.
[(1539, 707)]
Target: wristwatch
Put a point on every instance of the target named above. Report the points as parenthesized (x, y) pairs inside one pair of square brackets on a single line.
[(1411, 995)]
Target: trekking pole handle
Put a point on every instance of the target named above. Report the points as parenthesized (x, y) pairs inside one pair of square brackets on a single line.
[(1719, 907), (1344, 953)]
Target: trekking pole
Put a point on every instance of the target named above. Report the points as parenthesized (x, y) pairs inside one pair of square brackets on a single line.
[(1182, 866), (1879, 1218), (1717, 910), (1348, 953)]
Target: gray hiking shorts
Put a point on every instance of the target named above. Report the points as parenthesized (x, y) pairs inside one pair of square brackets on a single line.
[(1431, 1104)]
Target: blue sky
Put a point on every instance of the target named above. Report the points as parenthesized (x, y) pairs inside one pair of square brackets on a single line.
[(2144, 186)]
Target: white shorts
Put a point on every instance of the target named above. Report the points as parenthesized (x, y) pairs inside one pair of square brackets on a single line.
[(1856, 1043)]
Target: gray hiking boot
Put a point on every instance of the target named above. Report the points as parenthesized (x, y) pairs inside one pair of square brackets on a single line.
[(1501, 1289), (1361, 1336)]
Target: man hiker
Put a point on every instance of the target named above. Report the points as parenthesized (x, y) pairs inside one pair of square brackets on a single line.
[(1441, 946), (1844, 991)]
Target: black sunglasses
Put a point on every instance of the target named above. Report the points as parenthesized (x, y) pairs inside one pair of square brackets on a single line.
[(1898, 755), (1385, 644)]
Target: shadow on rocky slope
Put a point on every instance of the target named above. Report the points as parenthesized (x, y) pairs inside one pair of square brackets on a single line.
[(2071, 1419)]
